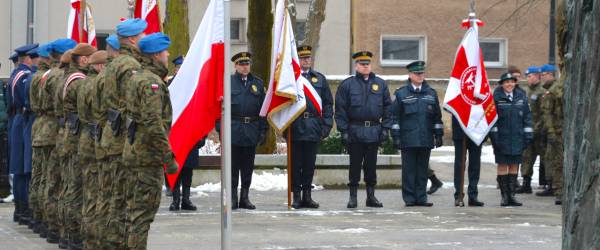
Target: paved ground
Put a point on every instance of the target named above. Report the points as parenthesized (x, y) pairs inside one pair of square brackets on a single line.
[(536, 225)]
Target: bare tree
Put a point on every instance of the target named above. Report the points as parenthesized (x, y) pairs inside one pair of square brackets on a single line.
[(316, 16), (176, 25)]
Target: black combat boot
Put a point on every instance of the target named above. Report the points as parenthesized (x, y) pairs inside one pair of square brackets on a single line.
[(307, 200), (43, 230), (245, 201), (526, 187), (234, 199), (186, 203), (558, 200), (75, 245), (25, 214), (17, 212), (371, 199), (63, 243), (34, 225), (512, 180), (474, 202), (504, 189), (296, 200), (435, 184), (52, 237), (548, 191), (176, 194), (352, 202)]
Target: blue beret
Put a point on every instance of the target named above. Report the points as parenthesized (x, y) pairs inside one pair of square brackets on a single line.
[(113, 41), (25, 48), (154, 43), (532, 70), (33, 53), (131, 27), (178, 60), (548, 68), (62, 45), (44, 50), (14, 57)]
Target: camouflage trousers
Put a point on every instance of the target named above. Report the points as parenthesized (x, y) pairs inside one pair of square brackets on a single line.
[(37, 184), (530, 154), (73, 197), (142, 203), (116, 231), (61, 167), (553, 161), (87, 161), (103, 200)]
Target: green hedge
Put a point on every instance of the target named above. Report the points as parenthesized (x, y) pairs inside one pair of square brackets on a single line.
[(333, 145)]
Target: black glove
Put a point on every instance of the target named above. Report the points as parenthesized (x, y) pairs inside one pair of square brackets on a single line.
[(262, 138), (396, 141), (345, 138), (384, 135), (438, 141)]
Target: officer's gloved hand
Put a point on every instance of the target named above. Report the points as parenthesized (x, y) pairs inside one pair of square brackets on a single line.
[(396, 142), (438, 141), (262, 138), (384, 135), (172, 167), (345, 138)]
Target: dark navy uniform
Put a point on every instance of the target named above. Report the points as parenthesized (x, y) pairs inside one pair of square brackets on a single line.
[(417, 120), (474, 167)]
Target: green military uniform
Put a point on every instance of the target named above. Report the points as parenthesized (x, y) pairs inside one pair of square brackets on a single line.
[(148, 112), (116, 78), (74, 81), (87, 160), (38, 180), (536, 148), (552, 119)]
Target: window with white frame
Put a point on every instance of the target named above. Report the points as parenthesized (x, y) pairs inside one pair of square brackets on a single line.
[(494, 52), (238, 30), (397, 50), (300, 29)]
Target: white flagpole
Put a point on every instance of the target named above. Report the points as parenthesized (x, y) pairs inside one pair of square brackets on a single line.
[(226, 140)]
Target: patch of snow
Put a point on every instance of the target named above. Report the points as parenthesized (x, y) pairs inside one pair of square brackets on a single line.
[(350, 230), (526, 224), (263, 181), (456, 243)]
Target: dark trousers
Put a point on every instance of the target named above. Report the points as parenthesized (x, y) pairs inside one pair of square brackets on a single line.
[(474, 167), (363, 156), (304, 155), (415, 162), (21, 187), (184, 180), (242, 162)]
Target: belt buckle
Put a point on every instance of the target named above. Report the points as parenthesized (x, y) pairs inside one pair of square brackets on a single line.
[(306, 115), (367, 124), (247, 119)]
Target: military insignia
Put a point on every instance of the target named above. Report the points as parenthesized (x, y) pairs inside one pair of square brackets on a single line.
[(254, 88), (154, 87), (375, 87), (534, 97), (314, 79)]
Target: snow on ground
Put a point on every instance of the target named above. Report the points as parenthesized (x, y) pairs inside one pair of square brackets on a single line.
[(359, 230), (262, 181)]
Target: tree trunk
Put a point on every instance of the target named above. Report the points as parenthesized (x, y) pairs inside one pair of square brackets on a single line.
[(316, 16), (176, 26), (260, 25), (579, 40)]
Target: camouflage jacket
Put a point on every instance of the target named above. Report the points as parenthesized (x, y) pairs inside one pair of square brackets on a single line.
[(48, 118), (117, 75), (84, 110), (534, 96), (97, 115), (552, 109), (35, 102), (148, 110), (71, 87)]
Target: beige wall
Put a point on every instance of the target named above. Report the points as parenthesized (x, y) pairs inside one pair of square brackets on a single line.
[(439, 21)]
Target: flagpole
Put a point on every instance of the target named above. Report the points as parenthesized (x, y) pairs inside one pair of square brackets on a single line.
[(226, 142), (289, 167), (82, 17)]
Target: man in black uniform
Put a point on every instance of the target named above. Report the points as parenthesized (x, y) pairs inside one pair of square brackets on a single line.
[(362, 115), (247, 129), (474, 167), (307, 130), (417, 128)]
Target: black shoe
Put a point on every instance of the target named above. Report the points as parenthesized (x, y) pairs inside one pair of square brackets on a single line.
[(234, 199), (410, 204), (186, 204), (526, 187), (435, 184), (174, 205), (548, 191), (352, 202), (371, 199), (459, 203), (475, 203), (35, 226), (424, 204), (558, 200), (504, 190), (512, 201), (307, 200), (296, 200), (18, 212), (245, 201), (63, 243), (43, 230), (75, 245), (176, 194), (52, 237)]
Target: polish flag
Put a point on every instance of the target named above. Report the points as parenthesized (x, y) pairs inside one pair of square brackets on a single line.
[(468, 96), (197, 90), (288, 89), (89, 29), (148, 10)]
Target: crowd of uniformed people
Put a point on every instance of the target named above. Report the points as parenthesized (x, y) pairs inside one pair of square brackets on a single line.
[(88, 135)]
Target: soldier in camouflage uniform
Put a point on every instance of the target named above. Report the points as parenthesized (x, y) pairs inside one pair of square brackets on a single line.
[(116, 77), (38, 180), (552, 119), (148, 119), (99, 120), (535, 149), (49, 136), (86, 151), (75, 80)]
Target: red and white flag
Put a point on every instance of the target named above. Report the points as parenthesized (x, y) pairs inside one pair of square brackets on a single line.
[(88, 29), (197, 89), (288, 89), (148, 10), (468, 96)]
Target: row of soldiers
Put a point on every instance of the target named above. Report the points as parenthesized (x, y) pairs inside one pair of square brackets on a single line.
[(99, 138)]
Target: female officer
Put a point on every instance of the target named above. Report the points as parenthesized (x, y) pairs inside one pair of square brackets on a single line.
[(510, 135)]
